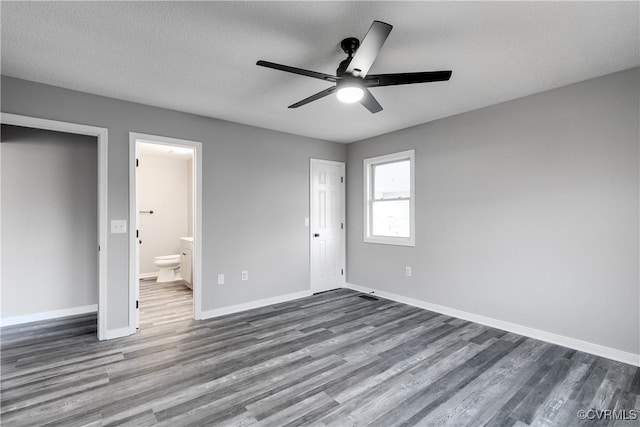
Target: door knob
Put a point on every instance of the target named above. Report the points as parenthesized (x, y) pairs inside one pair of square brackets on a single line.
[(140, 241), (316, 235)]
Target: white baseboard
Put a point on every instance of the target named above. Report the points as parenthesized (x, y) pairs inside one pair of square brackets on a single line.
[(147, 275), (576, 344), (217, 312), (47, 315), (117, 333)]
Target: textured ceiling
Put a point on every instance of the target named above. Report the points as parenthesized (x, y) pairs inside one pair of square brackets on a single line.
[(199, 57)]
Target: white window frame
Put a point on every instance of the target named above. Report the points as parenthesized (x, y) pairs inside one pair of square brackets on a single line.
[(368, 199)]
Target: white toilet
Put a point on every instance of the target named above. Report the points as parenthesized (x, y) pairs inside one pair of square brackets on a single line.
[(167, 265)]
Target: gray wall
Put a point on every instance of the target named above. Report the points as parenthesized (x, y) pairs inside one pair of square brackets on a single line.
[(49, 221), (255, 191), (526, 212)]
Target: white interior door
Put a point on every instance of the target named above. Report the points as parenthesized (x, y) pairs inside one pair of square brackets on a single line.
[(327, 225)]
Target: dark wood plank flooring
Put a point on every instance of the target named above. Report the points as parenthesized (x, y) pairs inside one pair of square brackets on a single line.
[(332, 359)]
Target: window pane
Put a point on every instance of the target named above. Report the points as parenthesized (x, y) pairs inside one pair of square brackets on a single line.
[(392, 180), (390, 218)]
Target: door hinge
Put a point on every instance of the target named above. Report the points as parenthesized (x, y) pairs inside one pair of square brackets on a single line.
[(342, 179), (342, 226), (137, 304), (137, 233), (137, 163), (342, 272), (98, 248)]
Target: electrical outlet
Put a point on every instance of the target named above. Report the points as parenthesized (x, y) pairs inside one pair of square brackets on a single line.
[(118, 226), (407, 271), (220, 279), (245, 275)]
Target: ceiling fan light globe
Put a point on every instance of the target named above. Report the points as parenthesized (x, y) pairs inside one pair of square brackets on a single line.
[(350, 94)]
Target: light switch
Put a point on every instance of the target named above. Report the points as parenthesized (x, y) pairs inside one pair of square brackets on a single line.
[(118, 226)]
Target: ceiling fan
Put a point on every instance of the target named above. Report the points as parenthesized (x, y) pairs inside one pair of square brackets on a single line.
[(352, 81)]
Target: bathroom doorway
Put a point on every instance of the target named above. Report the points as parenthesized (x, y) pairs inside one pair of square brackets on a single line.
[(165, 235)]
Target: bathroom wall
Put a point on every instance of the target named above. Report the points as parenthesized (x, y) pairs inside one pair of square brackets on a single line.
[(49, 221), (163, 186), (190, 200)]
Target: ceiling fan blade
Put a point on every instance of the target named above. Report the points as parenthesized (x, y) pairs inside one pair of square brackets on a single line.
[(369, 48), (369, 102), (373, 80), (300, 71), (315, 97)]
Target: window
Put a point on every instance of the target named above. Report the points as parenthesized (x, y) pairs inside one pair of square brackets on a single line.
[(389, 199)]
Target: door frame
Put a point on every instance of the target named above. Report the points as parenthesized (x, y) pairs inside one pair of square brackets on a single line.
[(343, 212), (133, 220), (103, 177)]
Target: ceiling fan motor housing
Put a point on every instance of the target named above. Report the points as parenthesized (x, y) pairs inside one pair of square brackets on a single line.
[(348, 80)]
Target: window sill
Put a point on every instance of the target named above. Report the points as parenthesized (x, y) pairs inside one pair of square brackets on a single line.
[(394, 241)]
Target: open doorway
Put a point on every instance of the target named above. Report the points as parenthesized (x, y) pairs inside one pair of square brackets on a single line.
[(95, 230), (165, 218)]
